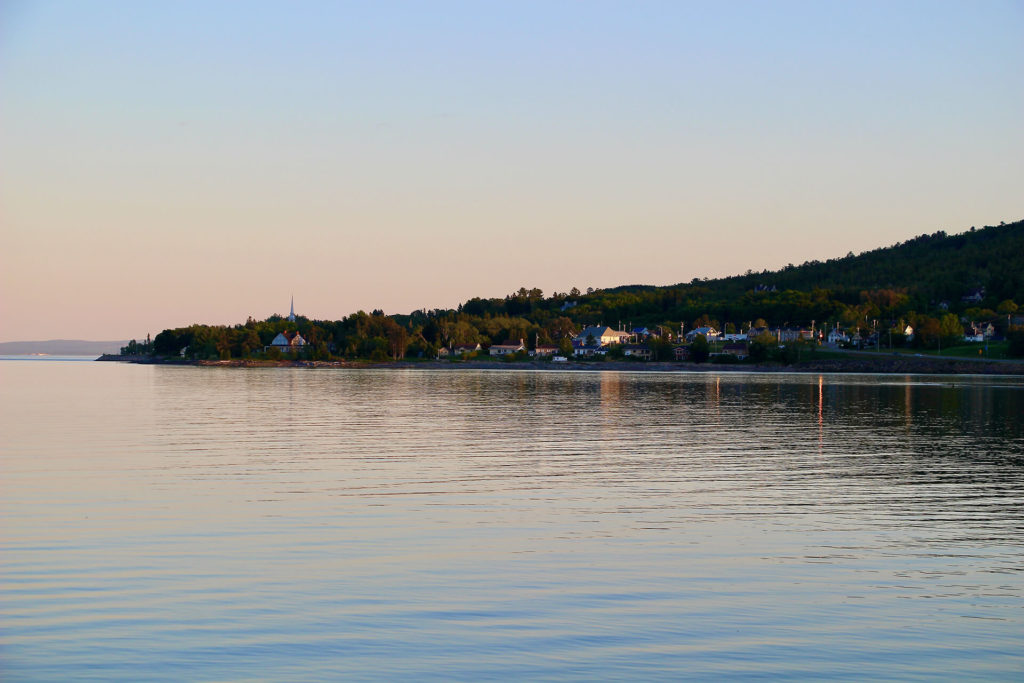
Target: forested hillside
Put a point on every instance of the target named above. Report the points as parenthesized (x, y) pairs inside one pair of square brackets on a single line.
[(934, 282)]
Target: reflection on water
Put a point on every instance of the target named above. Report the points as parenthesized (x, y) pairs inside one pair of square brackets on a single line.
[(184, 523)]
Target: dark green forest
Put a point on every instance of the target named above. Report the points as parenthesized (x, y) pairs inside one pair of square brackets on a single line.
[(935, 283)]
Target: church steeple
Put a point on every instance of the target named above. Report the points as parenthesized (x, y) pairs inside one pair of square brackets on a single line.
[(291, 316)]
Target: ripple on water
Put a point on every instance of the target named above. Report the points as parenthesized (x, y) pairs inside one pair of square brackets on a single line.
[(182, 523)]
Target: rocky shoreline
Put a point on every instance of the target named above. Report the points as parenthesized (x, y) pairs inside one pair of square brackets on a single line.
[(899, 365)]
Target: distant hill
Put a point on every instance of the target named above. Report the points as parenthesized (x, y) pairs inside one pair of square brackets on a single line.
[(61, 347), (980, 268), (937, 266)]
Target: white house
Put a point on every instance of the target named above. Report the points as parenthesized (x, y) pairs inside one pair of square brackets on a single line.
[(837, 336), (602, 336), (509, 347), (543, 350), (287, 342), (710, 333), (641, 351)]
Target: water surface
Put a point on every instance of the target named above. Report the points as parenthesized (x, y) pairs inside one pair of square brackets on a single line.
[(185, 523)]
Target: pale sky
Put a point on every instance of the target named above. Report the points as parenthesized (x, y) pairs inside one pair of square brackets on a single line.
[(164, 163)]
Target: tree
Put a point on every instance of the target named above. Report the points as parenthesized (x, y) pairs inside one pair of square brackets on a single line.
[(1007, 306), (950, 329), (661, 348), (705, 320), (927, 332), (565, 346), (166, 344), (560, 327), (761, 347), (249, 342), (397, 338), (700, 349)]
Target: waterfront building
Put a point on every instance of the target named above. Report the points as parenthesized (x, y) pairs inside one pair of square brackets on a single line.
[(287, 342)]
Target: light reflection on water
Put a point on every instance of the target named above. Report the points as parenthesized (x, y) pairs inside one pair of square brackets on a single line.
[(202, 523)]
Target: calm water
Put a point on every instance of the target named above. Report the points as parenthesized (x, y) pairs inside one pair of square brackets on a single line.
[(288, 524)]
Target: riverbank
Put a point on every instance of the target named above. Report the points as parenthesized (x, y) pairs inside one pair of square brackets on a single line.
[(900, 365)]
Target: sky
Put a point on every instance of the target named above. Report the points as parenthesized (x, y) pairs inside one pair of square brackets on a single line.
[(163, 164)]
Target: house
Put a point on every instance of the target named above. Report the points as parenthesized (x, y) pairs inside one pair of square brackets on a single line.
[(602, 335), (908, 333), (641, 351), (710, 333), (544, 350), (837, 336), (681, 352), (974, 296), (287, 342), (978, 332), (738, 350), (580, 348), (506, 349), (790, 334), (443, 352), (735, 336), (460, 349)]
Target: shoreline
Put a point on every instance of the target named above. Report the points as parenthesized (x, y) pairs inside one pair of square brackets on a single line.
[(899, 365)]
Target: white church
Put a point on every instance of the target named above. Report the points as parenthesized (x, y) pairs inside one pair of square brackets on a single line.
[(288, 342)]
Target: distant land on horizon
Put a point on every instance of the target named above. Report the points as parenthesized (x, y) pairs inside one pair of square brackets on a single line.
[(61, 347), (936, 284)]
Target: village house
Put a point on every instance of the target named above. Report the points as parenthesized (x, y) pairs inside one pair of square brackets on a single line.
[(790, 334), (287, 342), (508, 348), (738, 350), (978, 332), (681, 353), (579, 348), (460, 349), (601, 335), (974, 297), (837, 336), (710, 333), (641, 351), (544, 350)]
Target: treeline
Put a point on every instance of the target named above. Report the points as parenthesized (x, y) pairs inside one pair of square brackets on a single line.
[(922, 282)]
